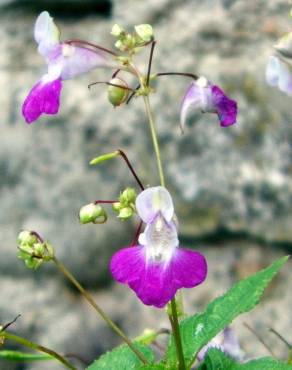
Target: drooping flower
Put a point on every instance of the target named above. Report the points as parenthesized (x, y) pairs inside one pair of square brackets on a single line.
[(279, 74), (227, 342), (65, 61), (157, 266), (202, 95)]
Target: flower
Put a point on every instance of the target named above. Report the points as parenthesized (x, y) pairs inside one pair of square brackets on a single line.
[(204, 96), (227, 342), (157, 267), (65, 61), (279, 74)]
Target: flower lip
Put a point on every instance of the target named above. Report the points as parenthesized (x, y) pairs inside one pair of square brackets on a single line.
[(44, 97)]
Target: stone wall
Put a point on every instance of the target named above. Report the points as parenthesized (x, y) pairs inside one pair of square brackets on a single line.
[(234, 181)]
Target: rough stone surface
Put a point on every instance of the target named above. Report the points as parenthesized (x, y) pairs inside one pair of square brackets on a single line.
[(236, 179)]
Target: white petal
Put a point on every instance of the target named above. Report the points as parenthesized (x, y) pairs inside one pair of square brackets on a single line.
[(152, 201), (279, 74), (46, 33), (272, 71), (198, 97), (77, 60), (285, 78)]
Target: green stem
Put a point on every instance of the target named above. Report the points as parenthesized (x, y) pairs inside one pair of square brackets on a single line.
[(91, 301), (176, 333), (154, 139), (173, 317), (38, 347)]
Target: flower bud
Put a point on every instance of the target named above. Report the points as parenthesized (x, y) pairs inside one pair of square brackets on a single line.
[(126, 213), (145, 32), (92, 213), (116, 206), (26, 237), (104, 157), (129, 195), (117, 95), (125, 207), (33, 251), (117, 30)]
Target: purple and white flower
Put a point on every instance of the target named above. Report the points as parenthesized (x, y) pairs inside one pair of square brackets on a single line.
[(202, 95), (157, 267), (65, 61)]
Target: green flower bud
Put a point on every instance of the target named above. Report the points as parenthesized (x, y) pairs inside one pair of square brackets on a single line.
[(33, 263), (104, 157), (92, 213), (117, 30), (26, 237), (35, 254), (116, 206), (125, 213), (117, 95), (129, 195), (145, 32)]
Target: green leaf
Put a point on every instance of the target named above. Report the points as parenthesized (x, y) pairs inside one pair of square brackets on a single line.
[(155, 367), (22, 356), (217, 360), (198, 330), (122, 358)]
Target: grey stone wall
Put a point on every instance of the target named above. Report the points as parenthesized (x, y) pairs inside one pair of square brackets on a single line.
[(235, 180)]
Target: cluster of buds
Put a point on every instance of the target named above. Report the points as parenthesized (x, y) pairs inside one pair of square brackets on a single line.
[(92, 213), (33, 250), (125, 207), (127, 42)]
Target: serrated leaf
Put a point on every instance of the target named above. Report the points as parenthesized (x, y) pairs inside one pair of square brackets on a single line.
[(198, 330), (217, 360), (9, 355), (122, 358)]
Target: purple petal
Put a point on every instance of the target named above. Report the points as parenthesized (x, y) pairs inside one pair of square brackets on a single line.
[(226, 108), (156, 283), (44, 97)]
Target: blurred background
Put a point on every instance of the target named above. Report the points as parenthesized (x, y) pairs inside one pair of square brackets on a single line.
[(232, 187)]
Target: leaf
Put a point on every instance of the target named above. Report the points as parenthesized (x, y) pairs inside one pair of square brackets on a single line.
[(198, 330), (122, 358), (217, 360), (22, 356)]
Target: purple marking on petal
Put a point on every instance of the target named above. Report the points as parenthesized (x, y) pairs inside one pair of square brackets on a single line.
[(44, 97), (226, 108), (156, 283)]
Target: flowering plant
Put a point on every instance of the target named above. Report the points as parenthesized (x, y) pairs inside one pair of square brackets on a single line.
[(156, 267)]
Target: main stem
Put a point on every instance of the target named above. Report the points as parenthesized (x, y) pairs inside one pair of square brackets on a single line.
[(91, 301), (154, 139), (173, 317), (38, 347)]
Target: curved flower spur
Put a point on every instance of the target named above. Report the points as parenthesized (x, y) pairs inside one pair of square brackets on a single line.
[(65, 61), (157, 267)]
